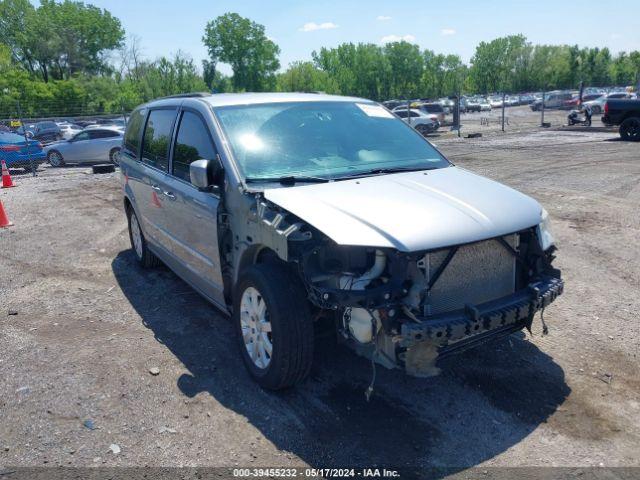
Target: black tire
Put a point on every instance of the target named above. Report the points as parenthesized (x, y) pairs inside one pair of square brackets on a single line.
[(291, 325), (28, 169), (596, 109), (113, 156), (630, 129), (146, 258), (55, 158), (424, 129), (104, 168)]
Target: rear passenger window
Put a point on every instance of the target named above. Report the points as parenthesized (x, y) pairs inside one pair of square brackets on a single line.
[(104, 134), (132, 136), (192, 143), (157, 137)]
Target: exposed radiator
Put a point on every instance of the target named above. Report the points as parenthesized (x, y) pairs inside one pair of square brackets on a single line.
[(477, 273)]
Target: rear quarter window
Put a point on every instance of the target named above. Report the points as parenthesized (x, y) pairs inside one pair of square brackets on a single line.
[(132, 135)]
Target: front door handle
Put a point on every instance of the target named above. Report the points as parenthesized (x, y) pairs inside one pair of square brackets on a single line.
[(169, 195)]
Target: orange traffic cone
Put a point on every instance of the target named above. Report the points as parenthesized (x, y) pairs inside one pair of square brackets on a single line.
[(155, 201), (4, 220), (6, 178)]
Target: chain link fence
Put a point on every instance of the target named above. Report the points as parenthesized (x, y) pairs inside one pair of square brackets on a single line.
[(24, 137)]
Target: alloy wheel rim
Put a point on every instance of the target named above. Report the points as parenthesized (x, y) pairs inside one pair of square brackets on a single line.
[(136, 235), (54, 158), (256, 327)]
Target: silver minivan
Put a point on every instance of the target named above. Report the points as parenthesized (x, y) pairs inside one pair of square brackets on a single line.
[(298, 212)]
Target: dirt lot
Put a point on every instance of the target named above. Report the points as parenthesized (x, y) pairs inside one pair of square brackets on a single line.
[(81, 325)]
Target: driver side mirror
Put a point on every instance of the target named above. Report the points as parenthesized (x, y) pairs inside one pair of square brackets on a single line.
[(205, 174), (29, 134)]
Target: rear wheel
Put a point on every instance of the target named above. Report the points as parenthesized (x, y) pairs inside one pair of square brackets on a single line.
[(27, 168), (630, 129), (273, 326), (55, 158), (114, 156), (596, 109), (145, 257)]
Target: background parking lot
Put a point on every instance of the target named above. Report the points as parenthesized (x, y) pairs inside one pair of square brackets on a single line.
[(82, 327)]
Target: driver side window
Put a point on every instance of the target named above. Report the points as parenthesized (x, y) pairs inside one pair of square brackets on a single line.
[(192, 143)]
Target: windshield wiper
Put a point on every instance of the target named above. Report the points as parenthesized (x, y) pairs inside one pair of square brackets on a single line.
[(380, 171), (287, 179)]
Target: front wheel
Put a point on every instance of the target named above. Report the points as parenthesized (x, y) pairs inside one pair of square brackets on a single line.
[(424, 129), (273, 326), (630, 129)]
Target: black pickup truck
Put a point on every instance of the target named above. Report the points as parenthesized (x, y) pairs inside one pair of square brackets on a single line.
[(625, 113)]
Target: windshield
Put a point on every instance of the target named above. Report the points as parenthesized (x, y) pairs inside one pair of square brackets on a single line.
[(322, 139)]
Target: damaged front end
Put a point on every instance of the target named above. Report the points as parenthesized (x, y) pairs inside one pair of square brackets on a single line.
[(408, 309)]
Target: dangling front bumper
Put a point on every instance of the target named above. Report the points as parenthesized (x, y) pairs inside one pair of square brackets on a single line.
[(480, 323)]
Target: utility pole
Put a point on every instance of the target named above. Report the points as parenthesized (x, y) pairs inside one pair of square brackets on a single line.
[(458, 124), (26, 139), (504, 97), (542, 111)]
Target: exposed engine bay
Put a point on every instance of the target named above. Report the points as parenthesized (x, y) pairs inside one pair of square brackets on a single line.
[(405, 309)]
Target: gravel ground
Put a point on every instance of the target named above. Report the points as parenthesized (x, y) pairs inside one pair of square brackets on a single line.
[(81, 326)]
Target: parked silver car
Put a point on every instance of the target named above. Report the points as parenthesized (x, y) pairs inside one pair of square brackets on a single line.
[(286, 210), (424, 123), (90, 146)]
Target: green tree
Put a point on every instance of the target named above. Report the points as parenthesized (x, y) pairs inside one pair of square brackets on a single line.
[(495, 63), (304, 77), (243, 44), (406, 65), (59, 40), (215, 80), (338, 63)]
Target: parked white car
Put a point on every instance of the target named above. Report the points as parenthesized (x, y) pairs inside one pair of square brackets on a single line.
[(495, 102), (421, 121), (87, 146), (485, 106), (69, 129)]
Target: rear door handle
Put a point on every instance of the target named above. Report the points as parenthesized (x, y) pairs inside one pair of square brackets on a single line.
[(156, 188), (169, 195)]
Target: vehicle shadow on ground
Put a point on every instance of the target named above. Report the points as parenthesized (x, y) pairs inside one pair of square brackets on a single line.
[(484, 401), (43, 167), (19, 171)]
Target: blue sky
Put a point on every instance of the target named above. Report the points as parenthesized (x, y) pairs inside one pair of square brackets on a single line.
[(299, 27)]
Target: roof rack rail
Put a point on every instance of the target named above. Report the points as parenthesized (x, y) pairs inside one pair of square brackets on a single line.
[(188, 95)]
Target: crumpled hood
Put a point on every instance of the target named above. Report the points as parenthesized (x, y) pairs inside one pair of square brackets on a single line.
[(410, 211)]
